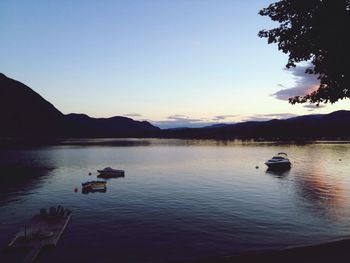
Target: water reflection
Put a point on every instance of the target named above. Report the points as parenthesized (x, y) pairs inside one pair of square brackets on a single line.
[(325, 194), (91, 191), (278, 173), (106, 142), (180, 201), (21, 173)]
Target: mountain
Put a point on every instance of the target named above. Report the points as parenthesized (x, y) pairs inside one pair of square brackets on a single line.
[(319, 126), (24, 113), (83, 125)]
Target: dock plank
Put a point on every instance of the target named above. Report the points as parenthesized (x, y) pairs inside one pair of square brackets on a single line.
[(32, 255), (41, 231)]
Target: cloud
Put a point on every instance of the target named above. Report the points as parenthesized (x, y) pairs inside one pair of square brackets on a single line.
[(266, 117), (182, 121), (182, 118), (312, 107), (223, 117), (304, 84), (132, 115)]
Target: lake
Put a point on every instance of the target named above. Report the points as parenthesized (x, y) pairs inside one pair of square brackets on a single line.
[(179, 199)]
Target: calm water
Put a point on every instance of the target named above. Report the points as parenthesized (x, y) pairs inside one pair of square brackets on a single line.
[(179, 199)]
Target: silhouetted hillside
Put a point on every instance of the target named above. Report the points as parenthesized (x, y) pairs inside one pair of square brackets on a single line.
[(24, 113), (332, 126), (83, 125)]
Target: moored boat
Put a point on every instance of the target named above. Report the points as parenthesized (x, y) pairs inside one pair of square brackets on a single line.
[(109, 172), (279, 162), (94, 186)]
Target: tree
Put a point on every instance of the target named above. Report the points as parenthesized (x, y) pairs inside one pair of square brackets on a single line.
[(316, 31)]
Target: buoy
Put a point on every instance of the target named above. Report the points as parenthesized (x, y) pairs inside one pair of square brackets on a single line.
[(256, 167), (89, 173), (75, 189)]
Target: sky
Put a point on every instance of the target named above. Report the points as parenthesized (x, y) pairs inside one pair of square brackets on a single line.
[(174, 63)]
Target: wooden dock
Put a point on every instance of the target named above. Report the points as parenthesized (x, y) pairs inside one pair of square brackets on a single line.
[(43, 230)]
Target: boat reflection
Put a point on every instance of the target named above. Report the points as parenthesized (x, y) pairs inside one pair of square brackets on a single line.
[(90, 191), (278, 173)]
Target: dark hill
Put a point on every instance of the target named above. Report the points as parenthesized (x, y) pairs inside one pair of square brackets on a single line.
[(24, 113), (320, 126), (83, 125)]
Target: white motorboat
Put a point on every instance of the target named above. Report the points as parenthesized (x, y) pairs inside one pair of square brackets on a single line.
[(109, 172), (279, 162)]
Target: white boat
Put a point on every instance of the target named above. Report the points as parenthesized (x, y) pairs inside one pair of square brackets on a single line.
[(110, 172), (279, 162)]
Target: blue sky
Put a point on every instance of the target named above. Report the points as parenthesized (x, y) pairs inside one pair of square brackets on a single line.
[(174, 63)]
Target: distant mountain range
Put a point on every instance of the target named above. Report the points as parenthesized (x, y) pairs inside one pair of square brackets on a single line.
[(335, 125), (24, 113)]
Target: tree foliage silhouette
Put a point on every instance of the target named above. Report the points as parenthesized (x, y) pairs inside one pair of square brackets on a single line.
[(316, 31)]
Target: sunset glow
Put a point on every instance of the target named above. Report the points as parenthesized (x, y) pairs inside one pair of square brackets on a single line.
[(153, 59)]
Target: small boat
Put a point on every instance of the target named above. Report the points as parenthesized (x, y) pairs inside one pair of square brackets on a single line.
[(94, 186), (109, 172), (279, 162)]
